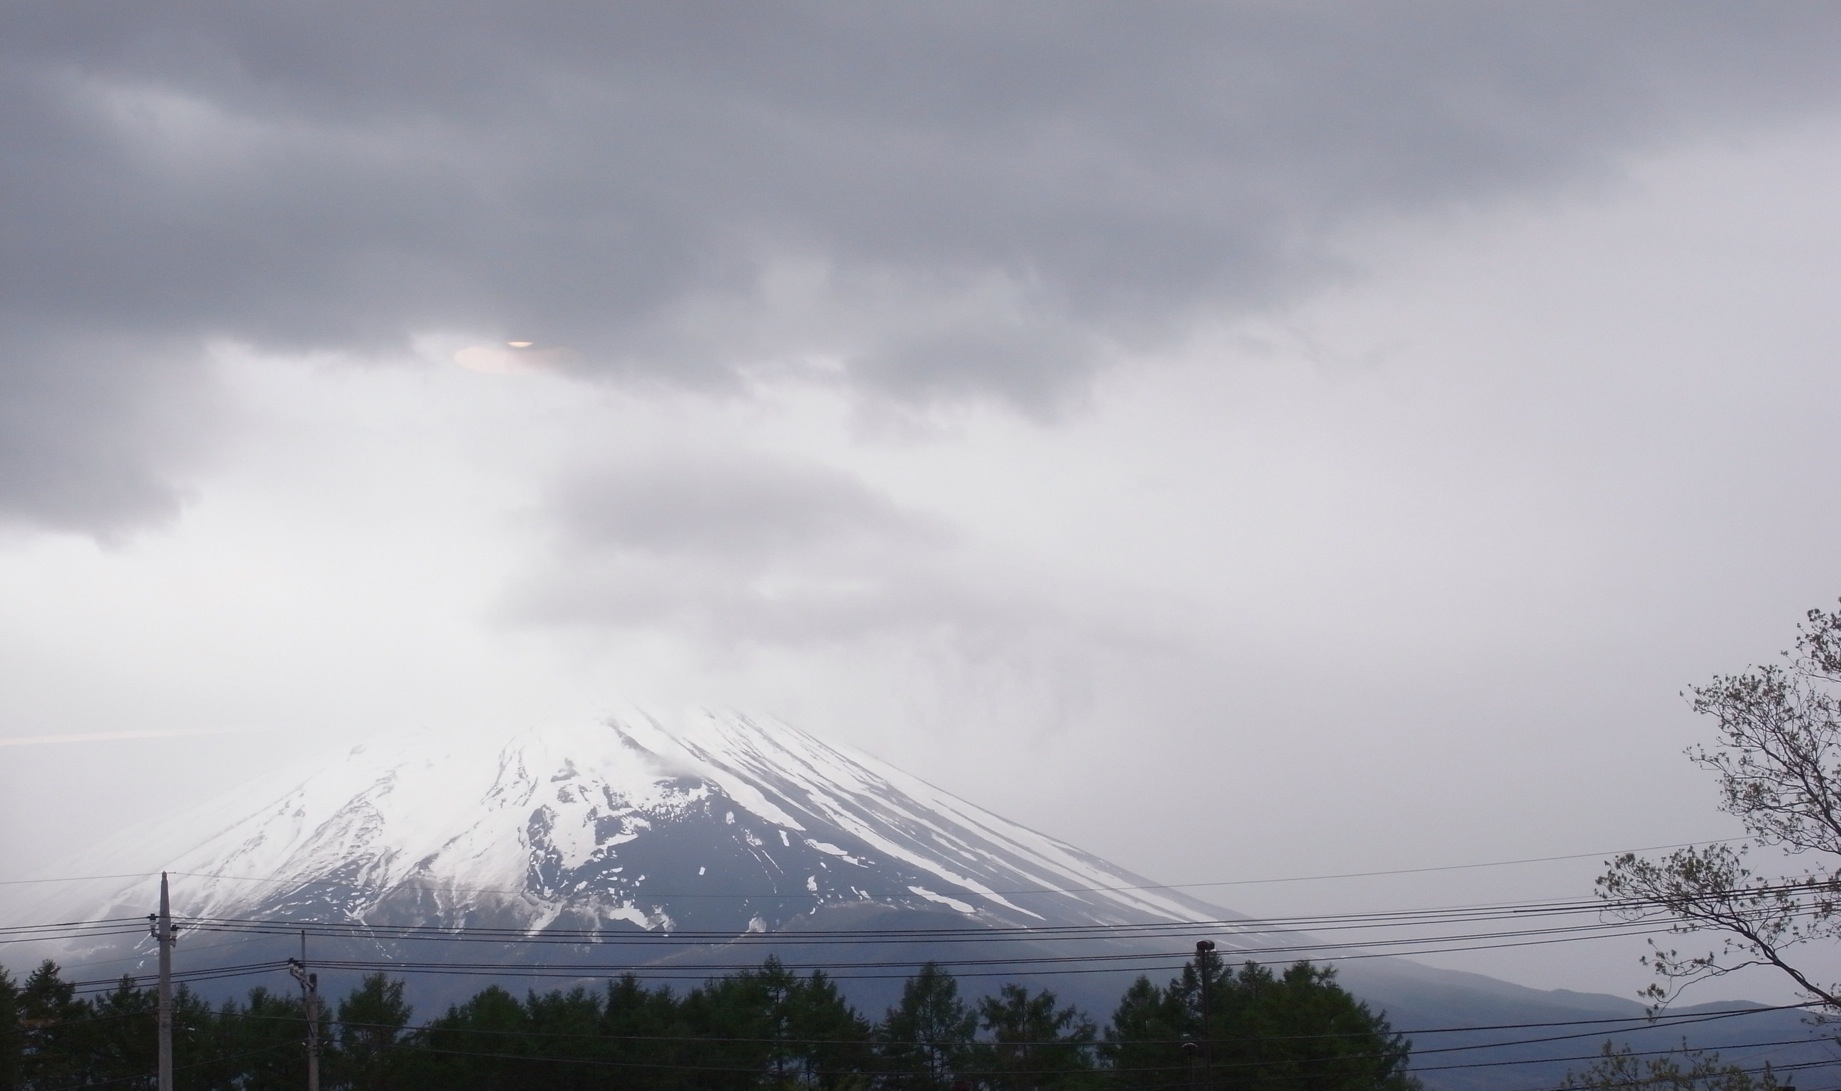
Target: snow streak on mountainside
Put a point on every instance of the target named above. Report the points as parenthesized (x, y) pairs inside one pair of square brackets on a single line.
[(717, 823)]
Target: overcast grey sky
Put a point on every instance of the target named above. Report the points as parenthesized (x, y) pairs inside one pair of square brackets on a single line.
[(1245, 440)]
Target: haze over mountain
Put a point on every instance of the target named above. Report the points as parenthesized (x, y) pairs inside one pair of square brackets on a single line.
[(679, 847)]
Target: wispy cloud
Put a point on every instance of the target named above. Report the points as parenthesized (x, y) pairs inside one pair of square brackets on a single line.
[(105, 736), (738, 547)]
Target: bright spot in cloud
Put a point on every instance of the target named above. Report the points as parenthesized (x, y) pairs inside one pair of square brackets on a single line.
[(515, 357)]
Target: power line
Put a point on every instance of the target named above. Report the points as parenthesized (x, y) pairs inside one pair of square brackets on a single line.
[(414, 1041), (1120, 888), (1639, 914), (1625, 1025), (868, 1041), (1600, 1026), (1251, 936), (1604, 1025), (141, 1077), (1023, 891), (90, 878)]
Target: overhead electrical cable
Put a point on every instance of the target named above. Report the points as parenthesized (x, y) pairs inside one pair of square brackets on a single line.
[(412, 1044), (846, 971), (141, 1077), (74, 879), (1021, 891), (1601, 1025)]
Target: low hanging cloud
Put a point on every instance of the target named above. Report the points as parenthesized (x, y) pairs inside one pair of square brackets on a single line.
[(918, 202), (731, 550), (88, 423), (740, 508)]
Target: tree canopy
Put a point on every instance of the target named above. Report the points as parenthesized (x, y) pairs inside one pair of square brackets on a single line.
[(765, 1028), (1261, 1031), (1777, 756), (1621, 1068)]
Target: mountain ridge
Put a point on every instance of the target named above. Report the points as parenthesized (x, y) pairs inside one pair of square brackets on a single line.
[(601, 824)]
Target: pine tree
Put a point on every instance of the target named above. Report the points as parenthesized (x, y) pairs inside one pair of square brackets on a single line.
[(1034, 1042), (925, 1040), (12, 1035), (371, 1022), (51, 1019)]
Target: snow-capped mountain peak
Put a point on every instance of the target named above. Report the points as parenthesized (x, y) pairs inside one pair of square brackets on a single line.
[(710, 822)]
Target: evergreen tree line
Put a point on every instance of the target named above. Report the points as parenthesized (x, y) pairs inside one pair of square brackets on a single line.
[(765, 1028)]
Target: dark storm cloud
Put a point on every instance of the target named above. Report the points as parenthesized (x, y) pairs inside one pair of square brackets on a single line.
[(952, 200)]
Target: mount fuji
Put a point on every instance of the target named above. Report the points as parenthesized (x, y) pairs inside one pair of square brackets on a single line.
[(681, 847), (715, 823)]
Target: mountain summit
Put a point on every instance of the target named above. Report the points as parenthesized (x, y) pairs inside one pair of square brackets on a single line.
[(715, 823)]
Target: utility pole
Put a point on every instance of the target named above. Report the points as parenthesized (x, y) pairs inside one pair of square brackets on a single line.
[(1204, 956), (165, 932), (310, 998)]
